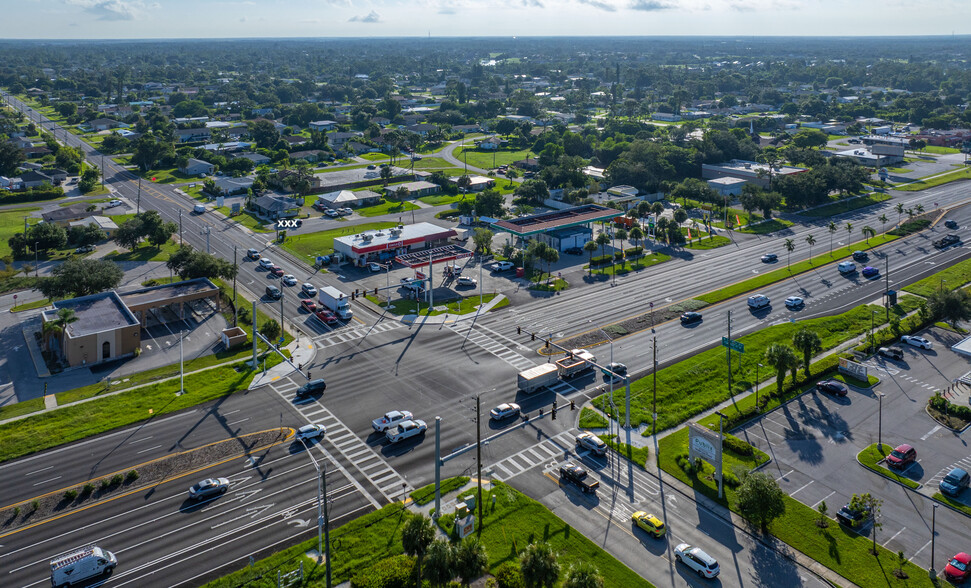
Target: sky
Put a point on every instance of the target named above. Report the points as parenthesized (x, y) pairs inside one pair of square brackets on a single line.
[(144, 19)]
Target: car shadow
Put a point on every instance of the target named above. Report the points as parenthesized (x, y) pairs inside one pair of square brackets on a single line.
[(577, 496), (657, 546), (402, 447)]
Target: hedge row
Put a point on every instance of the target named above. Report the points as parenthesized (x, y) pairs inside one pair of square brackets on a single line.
[(32, 195)]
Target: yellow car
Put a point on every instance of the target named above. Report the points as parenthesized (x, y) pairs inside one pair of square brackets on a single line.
[(650, 523)]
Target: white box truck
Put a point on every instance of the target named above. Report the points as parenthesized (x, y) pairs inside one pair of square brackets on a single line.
[(580, 361), (538, 377), (81, 564), (337, 301)]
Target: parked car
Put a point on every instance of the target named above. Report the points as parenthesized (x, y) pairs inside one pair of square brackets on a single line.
[(902, 456), (951, 224), (576, 474), (589, 441), (253, 253), (313, 431), (406, 430), (770, 258), (266, 263), (690, 317), (312, 387), (326, 316), (374, 267), (390, 419), (831, 387), (308, 289), (345, 210), (466, 281), (954, 482), (84, 249), (958, 569), (502, 266), (861, 255), (695, 558), (332, 213), (870, 271), (916, 341), (372, 166), (504, 411), (573, 251), (649, 523), (854, 141), (208, 487), (309, 305), (289, 280), (274, 292), (892, 353), (852, 517), (794, 302)]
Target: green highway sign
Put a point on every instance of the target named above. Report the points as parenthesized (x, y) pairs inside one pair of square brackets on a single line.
[(737, 346)]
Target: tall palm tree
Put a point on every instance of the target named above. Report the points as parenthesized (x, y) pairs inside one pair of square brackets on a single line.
[(603, 239), (919, 209), (783, 359), (867, 233), (539, 566), (590, 247), (417, 534), (910, 213), (790, 247), (65, 316), (900, 211), (883, 222), (808, 342), (440, 563), (849, 233), (622, 235), (811, 241), (636, 234), (832, 231)]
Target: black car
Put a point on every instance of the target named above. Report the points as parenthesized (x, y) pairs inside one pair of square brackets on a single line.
[(770, 258), (947, 241), (576, 474), (274, 292), (892, 353), (951, 224), (852, 517), (573, 251), (831, 387), (690, 317), (312, 387), (860, 255)]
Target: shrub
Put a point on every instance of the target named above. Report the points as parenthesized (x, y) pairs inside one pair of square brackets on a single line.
[(87, 489), (16, 511), (131, 476), (104, 484), (618, 255), (634, 251), (117, 479), (601, 259), (34, 505), (392, 572), (70, 495), (509, 576), (736, 445)]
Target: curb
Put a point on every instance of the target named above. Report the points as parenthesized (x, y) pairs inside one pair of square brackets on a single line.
[(881, 474)]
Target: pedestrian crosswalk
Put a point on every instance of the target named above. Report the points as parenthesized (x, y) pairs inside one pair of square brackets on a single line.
[(490, 343), (350, 334), (550, 451), (371, 466)]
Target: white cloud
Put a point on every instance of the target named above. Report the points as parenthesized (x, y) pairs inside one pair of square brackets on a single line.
[(606, 6), (109, 9), (649, 5), (371, 17)]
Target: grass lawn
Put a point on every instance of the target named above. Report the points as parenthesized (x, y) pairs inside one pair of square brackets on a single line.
[(707, 242), (440, 199), (168, 175), (433, 164), (489, 159), (836, 547), (93, 201), (850, 380), (21, 408), (871, 458), (632, 265), (940, 150), (308, 246), (961, 174), (464, 305), (246, 219), (146, 252), (698, 383), (796, 268), (960, 506), (636, 455), (766, 227), (952, 278), (425, 495), (591, 419), (11, 223), (515, 520), (30, 305), (846, 205), (386, 207), (549, 285)]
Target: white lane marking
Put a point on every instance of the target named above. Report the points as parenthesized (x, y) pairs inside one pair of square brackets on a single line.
[(894, 536), (46, 481), (140, 440), (237, 422), (919, 550), (802, 488), (40, 470), (824, 498), (931, 432), (784, 475), (149, 449)]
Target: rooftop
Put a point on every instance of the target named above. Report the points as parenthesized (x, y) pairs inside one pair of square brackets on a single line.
[(540, 223), (752, 167), (379, 240), (96, 313), (164, 292)]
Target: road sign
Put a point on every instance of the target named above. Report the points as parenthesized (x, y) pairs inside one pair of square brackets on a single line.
[(736, 345), (282, 340)]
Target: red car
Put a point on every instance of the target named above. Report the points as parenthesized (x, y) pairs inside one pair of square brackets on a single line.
[(308, 305), (326, 316), (902, 456), (276, 270), (959, 568)]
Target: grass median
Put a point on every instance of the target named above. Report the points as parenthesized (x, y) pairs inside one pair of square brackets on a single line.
[(953, 277), (799, 267), (766, 227), (871, 457), (426, 494)]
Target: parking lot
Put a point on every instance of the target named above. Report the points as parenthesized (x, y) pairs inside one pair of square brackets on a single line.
[(814, 439)]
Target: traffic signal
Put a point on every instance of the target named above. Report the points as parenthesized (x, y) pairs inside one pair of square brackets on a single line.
[(532, 336), (573, 406), (375, 292), (519, 330), (553, 412), (547, 343), (353, 294)]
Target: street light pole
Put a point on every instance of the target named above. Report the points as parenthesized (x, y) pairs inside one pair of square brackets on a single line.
[(654, 392), (322, 522), (933, 572), (880, 421), (757, 366), (36, 264)]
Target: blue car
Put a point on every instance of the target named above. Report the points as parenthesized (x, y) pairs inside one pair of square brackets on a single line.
[(870, 271), (954, 482)]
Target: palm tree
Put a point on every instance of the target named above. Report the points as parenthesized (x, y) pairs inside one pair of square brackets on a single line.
[(622, 235), (440, 563), (919, 209), (790, 247), (832, 231), (783, 359), (883, 222), (550, 255), (910, 213), (470, 559), (849, 233), (811, 241), (65, 316), (590, 247), (636, 234), (583, 575), (417, 534), (603, 239), (808, 342), (900, 211), (868, 232), (539, 566)]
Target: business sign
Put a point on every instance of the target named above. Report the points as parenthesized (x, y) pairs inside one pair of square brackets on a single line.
[(733, 344), (704, 444), (851, 368), (395, 244), (237, 207)]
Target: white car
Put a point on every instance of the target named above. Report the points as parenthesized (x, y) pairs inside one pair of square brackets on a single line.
[(289, 280), (313, 431), (266, 263), (591, 442), (345, 210), (703, 564), (406, 430), (113, 203), (502, 266), (794, 302), (374, 267), (84, 249), (208, 487), (332, 213), (309, 289), (504, 411), (390, 419), (916, 341), (466, 281)]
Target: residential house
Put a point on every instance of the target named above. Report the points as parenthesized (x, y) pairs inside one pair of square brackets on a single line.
[(338, 138), (491, 143), (275, 207), (256, 158), (192, 135), (100, 124), (665, 116), (230, 186), (323, 125), (35, 179), (295, 140), (10, 183), (415, 189), (57, 175), (357, 148), (476, 183), (102, 222), (227, 147), (342, 198), (22, 142), (65, 215), (37, 152), (280, 179), (529, 164), (422, 129), (311, 156), (381, 121), (197, 167), (262, 112)]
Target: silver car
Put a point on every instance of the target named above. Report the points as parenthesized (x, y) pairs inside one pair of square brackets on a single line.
[(208, 487)]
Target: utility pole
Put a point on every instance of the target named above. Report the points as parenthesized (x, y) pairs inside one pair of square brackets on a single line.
[(654, 398), (729, 351), (886, 273), (181, 363), (478, 456), (180, 226), (438, 468), (208, 232), (138, 199), (254, 336)]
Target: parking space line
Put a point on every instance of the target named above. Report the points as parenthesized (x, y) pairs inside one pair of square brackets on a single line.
[(894, 536), (784, 475), (931, 432), (801, 488), (919, 550)]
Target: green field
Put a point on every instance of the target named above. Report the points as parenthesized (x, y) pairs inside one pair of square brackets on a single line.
[(846, 205), (464, 305), (168, 175), (961, 174), (386, 207), (11, 223), (440, 199), (952, 278), (940, 150), (145, 252), (308, 246), (621, 267), (489, 159)]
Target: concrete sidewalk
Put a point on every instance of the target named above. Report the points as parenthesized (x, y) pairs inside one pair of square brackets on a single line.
[(302, 351)]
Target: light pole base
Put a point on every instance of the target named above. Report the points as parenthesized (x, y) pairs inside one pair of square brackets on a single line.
[(932, 573)]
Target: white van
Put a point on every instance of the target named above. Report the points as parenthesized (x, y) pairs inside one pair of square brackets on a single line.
[(758, 301), (81, 564), (198, 209), (847, 267)]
